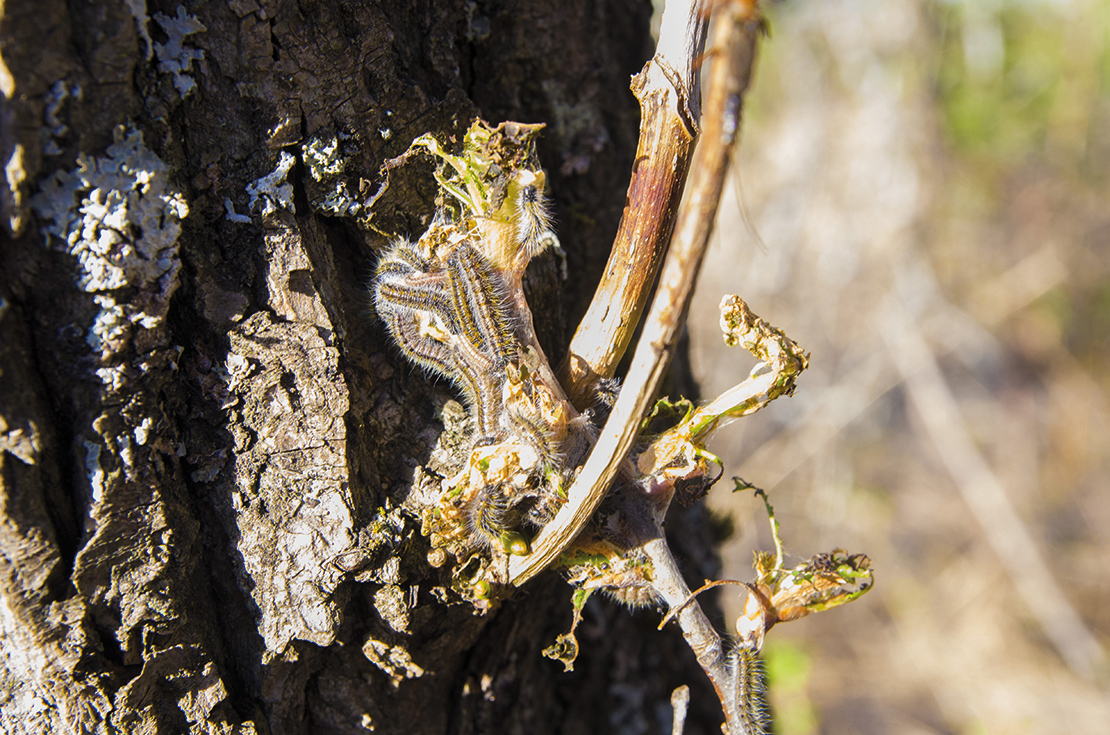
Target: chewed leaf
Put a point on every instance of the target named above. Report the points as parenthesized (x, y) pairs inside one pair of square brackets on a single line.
[(823, 582), (565, 647)]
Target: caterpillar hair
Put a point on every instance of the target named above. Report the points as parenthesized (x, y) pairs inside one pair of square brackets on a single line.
[(412, 330), (409, 331), (483, 397), (404, 254), (749, 688), (479, 304), (549, 495), (449, 322), (404, 281), (522, 421), (486, 513), (395, 294), (488, 516), (531, 217), (634, 594), (606, 391)]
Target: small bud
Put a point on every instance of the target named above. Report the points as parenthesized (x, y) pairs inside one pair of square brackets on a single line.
[(515, 544)]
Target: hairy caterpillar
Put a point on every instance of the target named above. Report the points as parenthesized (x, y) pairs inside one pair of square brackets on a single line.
[(524, 422), (403, 259), (489, 516), (479, 301), (531, 218), (749, 688), (409, 330), (606, 391), (520, 226), (454, 304), (424, 321), (403, 281)]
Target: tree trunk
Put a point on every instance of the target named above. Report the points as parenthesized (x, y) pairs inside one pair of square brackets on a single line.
[(208, 439)]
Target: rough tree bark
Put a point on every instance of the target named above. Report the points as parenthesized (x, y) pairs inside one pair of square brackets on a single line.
[(206, 440)]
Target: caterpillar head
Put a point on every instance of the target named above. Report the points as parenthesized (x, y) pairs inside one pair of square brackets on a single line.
[(520, 227)]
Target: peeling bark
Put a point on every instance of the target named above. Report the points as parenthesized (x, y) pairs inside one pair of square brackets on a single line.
[(206, 439)]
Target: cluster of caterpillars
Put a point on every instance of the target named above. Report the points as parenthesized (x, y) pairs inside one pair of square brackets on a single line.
[(453, 303)]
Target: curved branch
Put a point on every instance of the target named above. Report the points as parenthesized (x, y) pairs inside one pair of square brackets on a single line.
[(670, 105), (734, 47)]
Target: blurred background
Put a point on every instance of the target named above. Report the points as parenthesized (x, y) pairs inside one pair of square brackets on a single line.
[(922, 200)]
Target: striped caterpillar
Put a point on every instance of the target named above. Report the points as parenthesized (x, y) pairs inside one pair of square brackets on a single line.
[(423, 318), (520, 227), (479, 305), (453, 304), (531, 218)]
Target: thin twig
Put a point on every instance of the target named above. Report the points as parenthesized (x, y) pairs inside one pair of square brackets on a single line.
[(675, 610), (734, 45), (680, 701)]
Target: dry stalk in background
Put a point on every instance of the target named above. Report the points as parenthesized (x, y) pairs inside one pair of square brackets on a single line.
[(986, 496)]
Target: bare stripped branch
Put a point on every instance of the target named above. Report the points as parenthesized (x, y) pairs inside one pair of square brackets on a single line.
[(699, 633), (670, 103), (680, 701), (734, 47)]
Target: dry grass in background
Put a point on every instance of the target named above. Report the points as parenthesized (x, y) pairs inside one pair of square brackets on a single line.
[(930, 184)]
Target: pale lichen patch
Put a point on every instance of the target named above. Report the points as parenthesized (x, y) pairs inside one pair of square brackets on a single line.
[(233, 216), (119, 218), (53, 127), (96, 474), (174, 57), (272, 191), (326, 161), (395, 661), (116, 213), (15, 176), (322, 158), (142, 21)]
